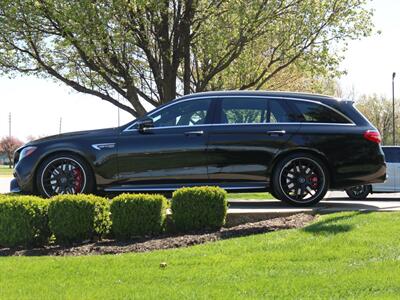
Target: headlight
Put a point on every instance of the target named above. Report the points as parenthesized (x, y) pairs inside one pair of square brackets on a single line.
[(27, 151)]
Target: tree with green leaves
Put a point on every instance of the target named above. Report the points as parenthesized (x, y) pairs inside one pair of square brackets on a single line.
[(151, 51), (379, 111)]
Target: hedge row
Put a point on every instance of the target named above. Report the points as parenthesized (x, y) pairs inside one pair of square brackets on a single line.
[(31, 221), (75, 218), (23, 221), (199, 208), (138, 215)]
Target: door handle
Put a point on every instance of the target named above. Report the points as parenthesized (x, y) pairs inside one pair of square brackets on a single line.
[(276, 132), (197, 132)]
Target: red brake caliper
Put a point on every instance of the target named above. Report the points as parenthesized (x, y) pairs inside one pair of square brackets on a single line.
[(314, 182), (78, 180)]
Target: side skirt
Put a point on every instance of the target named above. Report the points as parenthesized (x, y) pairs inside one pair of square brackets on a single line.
[(230, 187)]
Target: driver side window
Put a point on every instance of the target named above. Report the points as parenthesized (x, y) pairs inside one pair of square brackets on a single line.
[(188, 113)]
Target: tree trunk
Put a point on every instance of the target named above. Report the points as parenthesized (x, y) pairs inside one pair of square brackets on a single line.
[(133, 98), (10, 164), (186, 47), (186, 68), (169, 83)]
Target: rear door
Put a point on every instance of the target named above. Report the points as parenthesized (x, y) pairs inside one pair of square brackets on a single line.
[(247, 134)]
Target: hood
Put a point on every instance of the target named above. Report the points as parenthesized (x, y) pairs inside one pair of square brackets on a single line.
[(76, 134)]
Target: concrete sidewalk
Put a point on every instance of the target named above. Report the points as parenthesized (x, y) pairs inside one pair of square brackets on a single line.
[(328, 205), (4, 185), (242, 211)]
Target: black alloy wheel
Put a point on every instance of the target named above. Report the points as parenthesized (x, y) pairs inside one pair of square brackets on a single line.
[(301, 180), (64, 174), (359, 192)]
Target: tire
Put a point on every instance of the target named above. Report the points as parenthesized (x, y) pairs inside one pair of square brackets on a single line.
[(359, 192), (300, 179), (64, 174), (272, 192)]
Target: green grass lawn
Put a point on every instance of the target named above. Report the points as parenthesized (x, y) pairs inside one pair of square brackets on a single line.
[(252, 196), (5, 171), (346, 255)]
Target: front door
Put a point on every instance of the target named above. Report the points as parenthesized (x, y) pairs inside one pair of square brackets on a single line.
[(171, 153)]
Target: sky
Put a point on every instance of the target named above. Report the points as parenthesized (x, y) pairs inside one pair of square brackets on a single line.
[(36, 105), (371, 61)]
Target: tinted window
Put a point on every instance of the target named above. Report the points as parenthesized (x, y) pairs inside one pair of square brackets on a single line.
[(253, 110), (317, 113), (391, 155), (187, 113)]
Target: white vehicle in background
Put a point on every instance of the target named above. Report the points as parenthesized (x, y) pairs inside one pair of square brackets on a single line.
[(392, 183)]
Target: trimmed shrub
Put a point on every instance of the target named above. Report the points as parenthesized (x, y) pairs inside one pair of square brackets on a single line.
[(199, 208), (76, 218), (9, 195), (23, 221), (135, 215)]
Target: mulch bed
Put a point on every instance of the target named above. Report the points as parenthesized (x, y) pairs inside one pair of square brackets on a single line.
[(165, 241)]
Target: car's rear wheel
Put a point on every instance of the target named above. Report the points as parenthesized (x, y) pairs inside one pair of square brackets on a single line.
[(300, 179), (359, 192), (64, 174)]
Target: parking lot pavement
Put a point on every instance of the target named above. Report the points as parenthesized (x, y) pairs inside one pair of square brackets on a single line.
[(333, 202), (336, 195), (5, 185)]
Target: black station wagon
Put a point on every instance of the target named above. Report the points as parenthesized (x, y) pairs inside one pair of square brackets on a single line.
[(296, 146)]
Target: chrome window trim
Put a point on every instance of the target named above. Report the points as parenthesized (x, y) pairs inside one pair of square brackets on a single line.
[(247, 124), (129, 128)]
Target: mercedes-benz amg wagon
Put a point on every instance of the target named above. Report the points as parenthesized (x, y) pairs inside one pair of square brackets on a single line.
[(296, 146)]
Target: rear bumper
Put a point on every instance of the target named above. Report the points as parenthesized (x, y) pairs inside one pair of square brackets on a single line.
[(373, 175)]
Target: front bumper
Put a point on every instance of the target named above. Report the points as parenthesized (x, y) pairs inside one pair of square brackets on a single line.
[(14, 186)]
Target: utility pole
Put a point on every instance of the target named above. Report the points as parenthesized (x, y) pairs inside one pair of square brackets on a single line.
[(119, 117), (59, 131), (9, 124), (394, 122)]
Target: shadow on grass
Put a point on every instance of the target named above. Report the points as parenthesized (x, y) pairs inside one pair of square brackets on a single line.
[(333, 225)]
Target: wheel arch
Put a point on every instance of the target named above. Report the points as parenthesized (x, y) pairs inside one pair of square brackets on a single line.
[(61, 152), (313, 152)]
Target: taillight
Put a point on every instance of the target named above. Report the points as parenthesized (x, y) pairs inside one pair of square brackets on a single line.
[(373, 136)]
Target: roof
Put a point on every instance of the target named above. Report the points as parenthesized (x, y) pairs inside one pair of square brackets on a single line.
[(309, 96)]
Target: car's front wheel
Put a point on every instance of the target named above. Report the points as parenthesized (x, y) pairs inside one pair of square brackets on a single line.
[(64, 174), (359, 192), (300, 179)]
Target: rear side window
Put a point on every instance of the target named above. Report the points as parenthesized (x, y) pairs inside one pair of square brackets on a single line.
[(253, 110), (311, 112), (392, 155)]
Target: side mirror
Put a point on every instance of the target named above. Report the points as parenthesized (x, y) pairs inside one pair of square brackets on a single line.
[(145, 124)]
